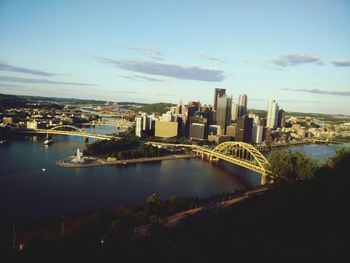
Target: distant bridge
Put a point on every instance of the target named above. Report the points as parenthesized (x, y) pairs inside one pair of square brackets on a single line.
[(117, 123), (69, 130), (239, 153)]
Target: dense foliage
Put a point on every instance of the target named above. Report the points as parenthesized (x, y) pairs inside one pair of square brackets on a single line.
[(144, 151), (11, 101), (292, 166), (155, 108), (108, 147), (342, 155)]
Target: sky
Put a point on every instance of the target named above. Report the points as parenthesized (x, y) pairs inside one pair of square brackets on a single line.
[(295, 52)]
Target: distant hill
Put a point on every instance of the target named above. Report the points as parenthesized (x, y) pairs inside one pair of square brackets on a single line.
[(11, 101), (155, 107)]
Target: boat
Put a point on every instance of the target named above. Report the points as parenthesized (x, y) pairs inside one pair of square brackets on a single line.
[(43, 169), (3, 141), (48, 142)]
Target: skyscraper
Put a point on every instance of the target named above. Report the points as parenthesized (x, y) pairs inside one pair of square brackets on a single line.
[(179, 108), (272, 115), (243, 104), (138, 128), (244, 129), (281, 118), (257, 133), (223, 111), (234, 111), (218, 93)]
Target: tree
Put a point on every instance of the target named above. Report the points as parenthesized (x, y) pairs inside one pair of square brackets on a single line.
[(341, 155), (292, 166), (152, 205), (341, 160)]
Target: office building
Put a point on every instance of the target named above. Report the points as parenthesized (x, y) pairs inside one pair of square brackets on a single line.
[(215, 130), (145, 124), (244, 129), (243, 104), (180, 108), (192, 107), (272, 115), (231, 130), (166, 129), (218, 93), (218, 138), (281, 119), (256, 118), (267, 133), (234, 111), (138, 127), (223, 111), (257, 134), (198, 131)]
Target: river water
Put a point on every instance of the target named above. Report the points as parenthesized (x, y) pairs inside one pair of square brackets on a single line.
[(28, 193)]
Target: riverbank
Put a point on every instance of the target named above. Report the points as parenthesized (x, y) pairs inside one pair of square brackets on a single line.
[(92, 162), (277, 146)]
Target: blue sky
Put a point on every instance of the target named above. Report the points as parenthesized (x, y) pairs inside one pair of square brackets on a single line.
[(296, 52)]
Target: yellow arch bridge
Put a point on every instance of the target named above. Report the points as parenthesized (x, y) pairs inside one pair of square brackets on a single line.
[(239, 153), (71, 131)]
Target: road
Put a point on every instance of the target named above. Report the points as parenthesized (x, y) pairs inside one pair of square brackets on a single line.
[(174, 220)]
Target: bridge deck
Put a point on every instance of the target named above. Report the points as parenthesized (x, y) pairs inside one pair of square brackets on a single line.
[(70, 133)]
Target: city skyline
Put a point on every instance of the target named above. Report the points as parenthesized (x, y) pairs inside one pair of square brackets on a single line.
[(163, 51)]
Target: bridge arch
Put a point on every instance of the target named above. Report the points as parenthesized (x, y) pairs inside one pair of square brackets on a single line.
[(241, 154), (70, 127), (256, 155)]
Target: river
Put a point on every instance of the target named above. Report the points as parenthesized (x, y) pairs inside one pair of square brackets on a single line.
[(28, 193)]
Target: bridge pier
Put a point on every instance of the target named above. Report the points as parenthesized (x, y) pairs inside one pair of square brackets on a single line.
[(263, 179), (213, 159)]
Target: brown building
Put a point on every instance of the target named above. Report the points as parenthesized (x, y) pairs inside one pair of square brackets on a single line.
[(281, 119), (218, 138), (267, 135), (218, 93), (244, 129), (231, 131), (223, 111), (198, 131)]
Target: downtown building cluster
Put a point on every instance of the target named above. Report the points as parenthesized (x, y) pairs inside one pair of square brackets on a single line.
[(225, 120)]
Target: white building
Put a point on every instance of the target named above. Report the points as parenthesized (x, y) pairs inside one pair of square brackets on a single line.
[(138, 128), (272, 115), (256, 118), (243, 104), (234, 111), (257, 134), (144, 123), (32, 125)]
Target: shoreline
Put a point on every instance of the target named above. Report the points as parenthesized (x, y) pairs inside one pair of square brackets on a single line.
[(103, 162)]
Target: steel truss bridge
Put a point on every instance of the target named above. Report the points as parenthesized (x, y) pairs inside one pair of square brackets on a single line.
[(69, 130), (239, 153)]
